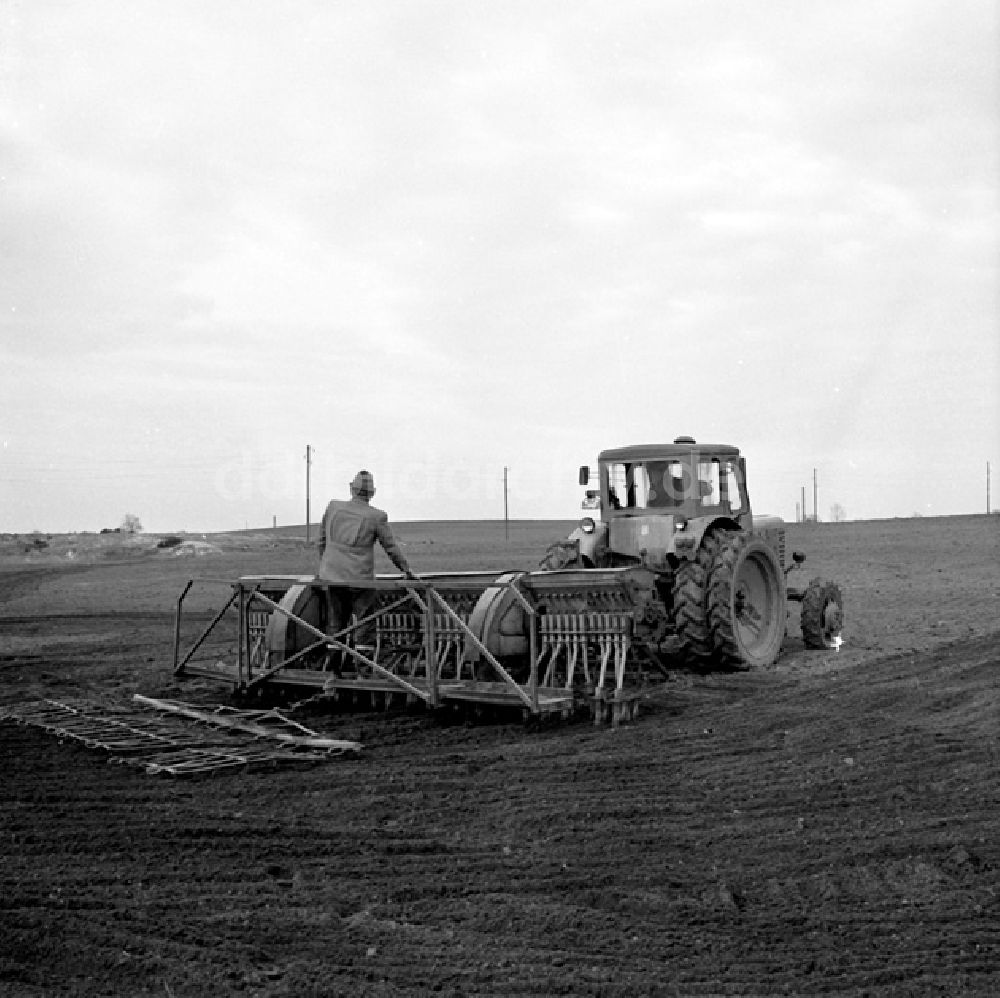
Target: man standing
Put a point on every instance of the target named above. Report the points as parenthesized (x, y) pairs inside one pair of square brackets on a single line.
[(347, 539)]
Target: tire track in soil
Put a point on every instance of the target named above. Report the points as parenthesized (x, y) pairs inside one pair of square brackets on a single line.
[(754, 834)]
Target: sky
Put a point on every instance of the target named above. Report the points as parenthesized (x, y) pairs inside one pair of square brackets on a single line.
[(445, 239)]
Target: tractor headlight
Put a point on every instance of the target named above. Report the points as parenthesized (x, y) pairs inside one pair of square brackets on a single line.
[(587, 525), (680, 523)]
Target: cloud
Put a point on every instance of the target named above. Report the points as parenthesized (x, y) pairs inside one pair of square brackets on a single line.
[(470, 235)]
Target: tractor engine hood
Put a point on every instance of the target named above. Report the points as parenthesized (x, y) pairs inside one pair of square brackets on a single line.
[(647, 538)]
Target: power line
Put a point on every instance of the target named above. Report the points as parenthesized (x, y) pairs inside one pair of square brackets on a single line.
[(506, 532), (308, 465)]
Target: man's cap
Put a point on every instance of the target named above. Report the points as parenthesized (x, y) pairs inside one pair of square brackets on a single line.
[(363, 484)]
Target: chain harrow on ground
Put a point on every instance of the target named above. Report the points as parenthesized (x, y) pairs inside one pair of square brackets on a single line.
[(173, 745)]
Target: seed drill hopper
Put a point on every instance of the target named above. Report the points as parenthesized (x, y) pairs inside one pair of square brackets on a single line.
[(674, 571)]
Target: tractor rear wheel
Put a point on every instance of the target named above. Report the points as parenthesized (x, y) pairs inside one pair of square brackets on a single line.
[(746, 602), (690, 601), (822, 614)]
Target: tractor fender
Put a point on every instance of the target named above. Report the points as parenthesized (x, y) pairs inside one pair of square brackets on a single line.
[(771, 530), (685, 543)]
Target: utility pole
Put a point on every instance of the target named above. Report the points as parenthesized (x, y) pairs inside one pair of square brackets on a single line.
[(805, 512), (308, 465), (506, 529), (987, 486), (815, 498)]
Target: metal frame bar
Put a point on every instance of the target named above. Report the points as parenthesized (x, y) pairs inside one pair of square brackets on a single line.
[(528, 700), (179, 666), (247, 721), (177, 622), (342, 632), (330, 640), (246, 592), (243, 633)]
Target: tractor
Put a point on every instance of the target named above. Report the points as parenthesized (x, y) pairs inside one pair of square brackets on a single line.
[(682, 511), (674, 569)]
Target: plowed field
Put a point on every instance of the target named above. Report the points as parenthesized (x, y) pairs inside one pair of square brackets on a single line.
[(826, 826)]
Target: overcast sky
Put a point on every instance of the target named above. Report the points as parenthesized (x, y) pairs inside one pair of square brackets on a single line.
[(435, 239)]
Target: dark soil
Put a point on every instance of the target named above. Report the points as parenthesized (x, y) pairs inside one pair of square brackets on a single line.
[(828, 826)]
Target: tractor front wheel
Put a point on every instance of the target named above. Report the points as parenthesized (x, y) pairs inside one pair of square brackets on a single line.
[(562, 554), (746, 603), (822, 614)]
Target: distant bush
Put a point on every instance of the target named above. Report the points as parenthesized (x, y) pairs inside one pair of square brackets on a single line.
[(168, 542), (111, 530), (131, 524)]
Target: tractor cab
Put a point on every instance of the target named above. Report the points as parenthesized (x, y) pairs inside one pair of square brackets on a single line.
[(674, 479), (648, 494)]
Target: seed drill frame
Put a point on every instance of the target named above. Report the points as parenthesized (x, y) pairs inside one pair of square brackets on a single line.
[(432, 644)]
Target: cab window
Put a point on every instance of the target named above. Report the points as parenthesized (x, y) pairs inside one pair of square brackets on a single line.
[(628, 486), (709, 487), (731, 483), (617, 485), (668, 483)]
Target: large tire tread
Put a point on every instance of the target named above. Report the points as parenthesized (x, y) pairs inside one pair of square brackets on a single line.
[(819, 594), (720, 615), (690, 601), (729, 645)]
